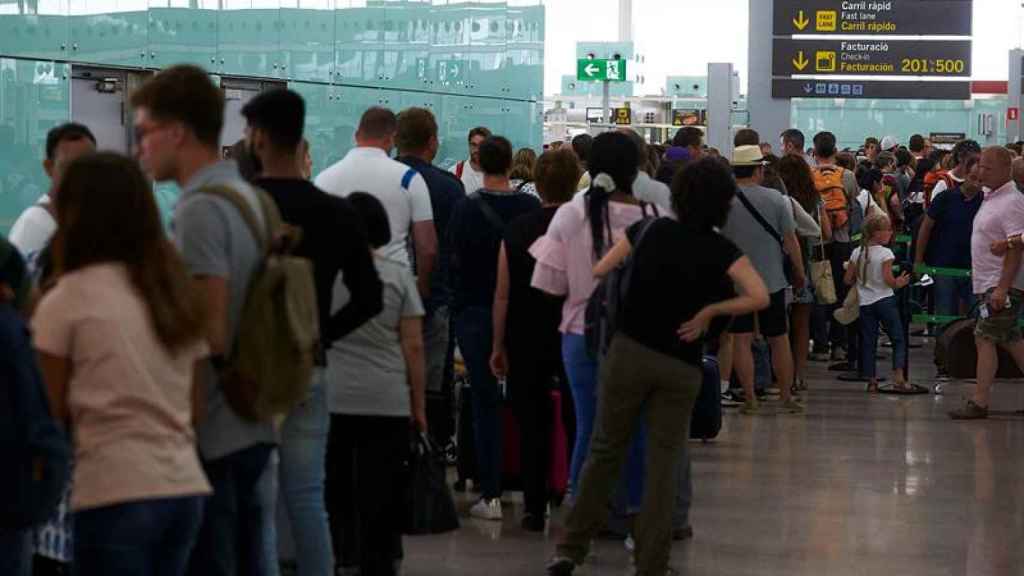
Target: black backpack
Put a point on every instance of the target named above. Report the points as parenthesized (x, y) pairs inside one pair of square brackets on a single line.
[(36, 452), (603, 314)]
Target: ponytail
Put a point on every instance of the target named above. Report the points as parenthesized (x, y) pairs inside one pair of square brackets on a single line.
[(597, 199)]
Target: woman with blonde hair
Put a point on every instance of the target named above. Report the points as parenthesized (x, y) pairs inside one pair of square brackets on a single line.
[(523, 165)]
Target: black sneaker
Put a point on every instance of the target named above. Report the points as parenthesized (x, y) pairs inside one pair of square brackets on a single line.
[(732, 399), (561, 566)]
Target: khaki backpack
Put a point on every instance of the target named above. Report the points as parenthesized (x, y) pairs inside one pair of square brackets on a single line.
[(269, 368)]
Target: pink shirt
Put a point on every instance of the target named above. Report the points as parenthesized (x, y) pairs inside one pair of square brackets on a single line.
[(129, 399), (1001, 216), (565, 256)]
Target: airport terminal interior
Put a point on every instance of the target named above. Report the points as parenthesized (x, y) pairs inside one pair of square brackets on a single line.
[(503, 191)]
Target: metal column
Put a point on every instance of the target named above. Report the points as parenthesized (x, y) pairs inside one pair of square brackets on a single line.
[(769, 116), (719, 120), (1013, 127)]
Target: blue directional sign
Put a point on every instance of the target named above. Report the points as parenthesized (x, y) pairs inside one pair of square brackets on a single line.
[(880, 89)]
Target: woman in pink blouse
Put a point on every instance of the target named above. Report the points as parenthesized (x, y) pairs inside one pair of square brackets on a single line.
[(119, 338), (581, 232)]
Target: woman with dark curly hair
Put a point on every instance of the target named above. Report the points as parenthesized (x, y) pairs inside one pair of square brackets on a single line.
[(654, 366)]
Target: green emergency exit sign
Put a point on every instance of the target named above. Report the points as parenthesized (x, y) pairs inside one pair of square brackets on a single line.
[(599, 70)]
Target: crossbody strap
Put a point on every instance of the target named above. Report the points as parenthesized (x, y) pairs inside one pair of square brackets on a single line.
[(760, 219), (490, 213)]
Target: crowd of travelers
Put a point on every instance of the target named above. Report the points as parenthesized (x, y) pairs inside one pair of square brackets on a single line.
[(281, 343)]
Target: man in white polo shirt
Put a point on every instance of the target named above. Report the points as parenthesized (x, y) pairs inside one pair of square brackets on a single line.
[(401, 189)]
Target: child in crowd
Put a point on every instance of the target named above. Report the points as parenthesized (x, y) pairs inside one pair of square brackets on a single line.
[(870, 268)]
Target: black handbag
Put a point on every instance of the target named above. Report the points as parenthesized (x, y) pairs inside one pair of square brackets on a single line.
[(429, 504)]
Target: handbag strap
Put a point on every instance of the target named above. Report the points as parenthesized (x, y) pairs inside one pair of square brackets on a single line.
[(760, 219)]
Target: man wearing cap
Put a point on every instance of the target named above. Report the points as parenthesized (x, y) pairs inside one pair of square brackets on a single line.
[(890, 144), (761, 223)]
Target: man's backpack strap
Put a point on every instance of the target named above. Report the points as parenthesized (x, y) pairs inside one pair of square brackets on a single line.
[(273, 236)]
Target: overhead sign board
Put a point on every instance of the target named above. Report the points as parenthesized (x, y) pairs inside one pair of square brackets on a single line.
[(875, 57), (871, 89), (600, 70), (946, 138), (873, 17)]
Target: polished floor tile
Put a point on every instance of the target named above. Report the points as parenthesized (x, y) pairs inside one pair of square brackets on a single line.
[(860, 485)]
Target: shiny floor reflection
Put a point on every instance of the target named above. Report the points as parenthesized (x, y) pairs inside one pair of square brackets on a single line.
[(861, 485)]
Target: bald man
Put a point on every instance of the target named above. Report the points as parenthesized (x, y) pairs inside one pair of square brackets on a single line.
[(1018, 173), (997, 281)]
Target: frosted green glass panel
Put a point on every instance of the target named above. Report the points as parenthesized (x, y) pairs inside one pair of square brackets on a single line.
[(523, 69), (248, 39), (409, 42), (34, 97), (319, 123), (110, 32), (487, 48), (453, 127), (307, 39), (180, 34), (359, 44), (855, 120), (450, 56), (39, 33), (523, 126)]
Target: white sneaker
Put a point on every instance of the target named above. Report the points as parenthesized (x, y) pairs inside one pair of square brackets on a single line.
[(487, 510)]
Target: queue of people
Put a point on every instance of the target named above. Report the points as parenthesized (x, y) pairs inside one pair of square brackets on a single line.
[(159, 443)]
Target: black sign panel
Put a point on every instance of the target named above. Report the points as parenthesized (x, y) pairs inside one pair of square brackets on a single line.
[(871, 89), (950, 138), (873, 17), (875, 57)]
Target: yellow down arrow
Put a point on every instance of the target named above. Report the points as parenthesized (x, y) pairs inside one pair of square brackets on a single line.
[(801, 21), (800, 62)]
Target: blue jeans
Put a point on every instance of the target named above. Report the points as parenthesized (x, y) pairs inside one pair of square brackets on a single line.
[(232, 539), (267, 489), (473, 331), (949, 293), (16, 552), (582, 372), (303, 456), (886, 313), (145, 537)]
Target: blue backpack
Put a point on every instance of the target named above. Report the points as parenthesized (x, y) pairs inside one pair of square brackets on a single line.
[(34, 449)]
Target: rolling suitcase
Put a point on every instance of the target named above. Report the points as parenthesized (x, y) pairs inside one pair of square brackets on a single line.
[(956, 350), (706, 422), (558, 471)]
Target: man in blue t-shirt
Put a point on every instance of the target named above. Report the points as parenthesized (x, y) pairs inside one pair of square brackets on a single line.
[(944, 241)]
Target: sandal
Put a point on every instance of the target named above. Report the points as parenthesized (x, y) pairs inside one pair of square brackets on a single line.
[(872, 387)]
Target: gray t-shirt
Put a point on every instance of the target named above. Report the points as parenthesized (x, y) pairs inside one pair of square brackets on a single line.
[(215, 241), (744, 230), (366, 370)]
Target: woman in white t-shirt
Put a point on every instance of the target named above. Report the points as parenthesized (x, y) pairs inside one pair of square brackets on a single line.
[(870, 268), (119, 339)]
